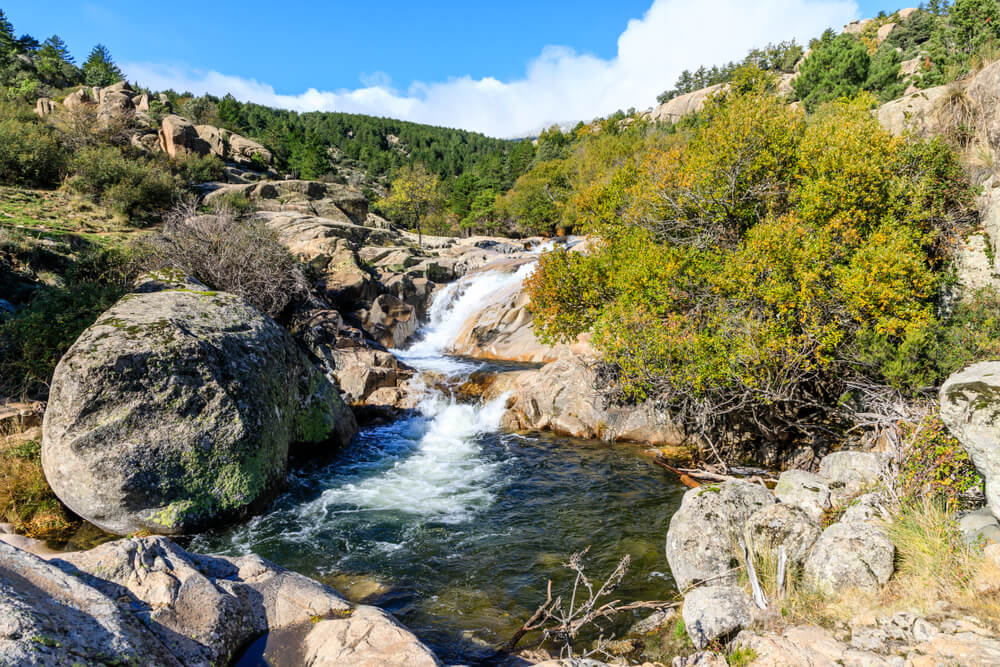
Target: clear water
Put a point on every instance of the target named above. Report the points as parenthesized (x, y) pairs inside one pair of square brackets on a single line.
[(460, 523)]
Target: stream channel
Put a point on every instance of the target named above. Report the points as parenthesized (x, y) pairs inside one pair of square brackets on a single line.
[(454, 525)]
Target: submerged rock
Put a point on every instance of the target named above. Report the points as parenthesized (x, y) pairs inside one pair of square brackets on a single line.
[(176, 410)]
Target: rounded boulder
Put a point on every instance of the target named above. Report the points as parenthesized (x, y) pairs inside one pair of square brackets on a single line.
[(176, 411)]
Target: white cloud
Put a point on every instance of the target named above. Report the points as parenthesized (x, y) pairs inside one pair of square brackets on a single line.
[(560, 85)]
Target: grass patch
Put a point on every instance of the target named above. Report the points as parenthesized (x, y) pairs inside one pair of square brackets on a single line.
[(666, 644), (26, 501), (935, 571)]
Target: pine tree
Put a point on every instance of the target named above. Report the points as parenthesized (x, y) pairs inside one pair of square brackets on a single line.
[(8, 43), (58, 47), (100, 69), (55, 64)]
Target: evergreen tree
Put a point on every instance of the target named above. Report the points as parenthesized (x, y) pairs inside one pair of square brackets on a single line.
[(8, 43), (100, 69), (54, 64), (837, 67), (58, 48)]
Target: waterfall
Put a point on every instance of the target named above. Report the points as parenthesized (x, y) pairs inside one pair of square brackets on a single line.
[(450, 310)]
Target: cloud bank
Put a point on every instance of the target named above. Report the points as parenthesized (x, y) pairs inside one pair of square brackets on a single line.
[(560, 85)]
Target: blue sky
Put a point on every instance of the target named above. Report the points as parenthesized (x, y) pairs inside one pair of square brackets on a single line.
[(502, 68)]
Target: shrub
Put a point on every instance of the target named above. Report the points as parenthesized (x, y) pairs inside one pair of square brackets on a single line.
[(936, 466), (133, 187), (25, 497), (81, 126), (234, 203), (740, 267), (30, 153), (34, 339), (194, 169), (243, 257)]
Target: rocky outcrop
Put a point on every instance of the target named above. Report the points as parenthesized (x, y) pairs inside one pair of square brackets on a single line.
[(970, 408), (673, 110), (504, 329), (919, 112), (563, 397), (49, 617), (44, 106), (146, 601), (901, 639), (390, 322), (328, 201), (178, 138), (701, 540), (177, 408)]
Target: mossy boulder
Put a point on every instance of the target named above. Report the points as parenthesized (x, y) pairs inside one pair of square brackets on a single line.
[(177, 409)]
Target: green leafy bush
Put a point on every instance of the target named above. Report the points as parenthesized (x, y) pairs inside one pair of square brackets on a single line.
[(134, 187), (30, 152), (34, 339), (935, 466), (194, 169), (737, 268)]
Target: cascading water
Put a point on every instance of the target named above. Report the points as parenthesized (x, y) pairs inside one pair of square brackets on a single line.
[(463, 523)]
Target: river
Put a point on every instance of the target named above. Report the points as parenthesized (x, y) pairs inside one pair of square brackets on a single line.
[(454, 525)]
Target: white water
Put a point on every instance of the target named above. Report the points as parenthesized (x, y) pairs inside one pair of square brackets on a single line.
[(439, 470), (450, 310)]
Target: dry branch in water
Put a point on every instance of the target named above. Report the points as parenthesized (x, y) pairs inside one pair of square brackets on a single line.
[(564, 623)]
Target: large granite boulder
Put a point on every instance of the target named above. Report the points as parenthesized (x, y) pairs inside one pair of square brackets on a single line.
[(179, 138), (970, 408), (49, 617), (805, 490), (673, 110), (503, 329), (703, 533), (176, 410), (849, 473), (850, 555), (918, 112), (564, 397)]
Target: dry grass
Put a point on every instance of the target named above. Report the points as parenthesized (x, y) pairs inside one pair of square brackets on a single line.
[(936, 572), (957, 117), (933, 564), (26, 501)]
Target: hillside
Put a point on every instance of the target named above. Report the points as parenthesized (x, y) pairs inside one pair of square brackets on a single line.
[(735, 356)]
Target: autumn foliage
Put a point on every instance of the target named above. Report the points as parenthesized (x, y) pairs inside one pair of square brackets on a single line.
[(742, 267)]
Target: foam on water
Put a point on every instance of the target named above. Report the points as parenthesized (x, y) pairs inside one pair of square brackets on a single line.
[(449, 311), (438, 471)]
